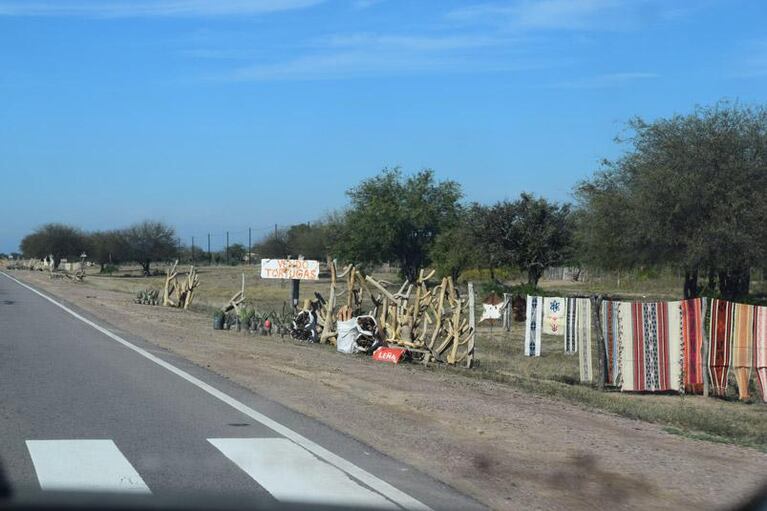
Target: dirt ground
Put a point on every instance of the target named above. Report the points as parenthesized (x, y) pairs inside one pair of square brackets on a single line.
[(506, 448)]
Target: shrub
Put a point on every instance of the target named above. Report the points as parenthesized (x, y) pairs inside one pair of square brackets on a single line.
[(109, 269)]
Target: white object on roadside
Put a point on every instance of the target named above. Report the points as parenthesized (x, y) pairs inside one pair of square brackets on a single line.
[(348, 331)]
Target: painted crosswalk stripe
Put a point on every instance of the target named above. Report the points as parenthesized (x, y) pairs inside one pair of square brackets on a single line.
[(379, 485), (84, 465), (292, 474)]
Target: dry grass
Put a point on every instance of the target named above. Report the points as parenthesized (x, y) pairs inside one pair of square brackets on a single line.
[(501, 358), (217, 285), (555, 375)]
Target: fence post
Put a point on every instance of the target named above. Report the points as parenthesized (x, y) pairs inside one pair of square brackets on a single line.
[(596, 308), (705, 345), (472, 328), (506, 319)]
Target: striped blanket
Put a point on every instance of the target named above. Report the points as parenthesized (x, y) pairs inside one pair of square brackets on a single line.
[(571, 341), (760, 349), (533, 320), (720, 349), (582, 326), (651, 357), (692, 336), (611, 333), (742, 346)]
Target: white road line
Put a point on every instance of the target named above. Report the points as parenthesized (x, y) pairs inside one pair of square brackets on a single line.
[(84, 465), (387, 490), (293, 474)]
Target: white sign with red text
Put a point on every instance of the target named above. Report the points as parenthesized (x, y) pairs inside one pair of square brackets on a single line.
[(299, 269)]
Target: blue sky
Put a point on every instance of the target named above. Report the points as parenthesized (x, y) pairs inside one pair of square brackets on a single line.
[(227, 114)]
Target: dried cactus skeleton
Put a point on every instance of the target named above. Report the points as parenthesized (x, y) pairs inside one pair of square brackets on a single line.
[(179, 293), (236, 300), (432, 321)]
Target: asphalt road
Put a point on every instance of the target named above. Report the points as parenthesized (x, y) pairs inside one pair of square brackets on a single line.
[(84, 406)]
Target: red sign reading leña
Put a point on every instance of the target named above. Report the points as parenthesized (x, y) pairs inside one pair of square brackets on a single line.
[(393, 355)]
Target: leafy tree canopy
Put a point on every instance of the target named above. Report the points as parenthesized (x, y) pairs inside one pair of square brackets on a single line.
[(691, 191), (392, 218), (530, 234), (150, 241), (61, 241), (107, 247)]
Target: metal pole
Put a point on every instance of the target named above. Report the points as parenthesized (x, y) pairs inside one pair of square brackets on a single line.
[(294, 293), (227, 248), (250, 250)]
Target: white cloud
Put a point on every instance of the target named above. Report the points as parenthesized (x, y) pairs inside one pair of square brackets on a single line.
[(352, 64), (373, 54), (567, 14), (149, 8), (413, 43), (605, 81), (365, 4)]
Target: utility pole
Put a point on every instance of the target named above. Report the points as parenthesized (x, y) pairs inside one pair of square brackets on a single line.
[(227, 248), (192, 249), (250, 250), (210, 254)]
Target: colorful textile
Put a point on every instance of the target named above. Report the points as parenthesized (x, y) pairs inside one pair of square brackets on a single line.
[(743, 346), (611, 333), (760, 349), (675, 345), (692, 336), (533, 320), (720, 348), (651, 358), (492, 307), (553, 316), (583, 338), (571, 340)]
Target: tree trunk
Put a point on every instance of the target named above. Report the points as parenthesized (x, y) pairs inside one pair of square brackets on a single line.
[(734, 283), (101, 270), (691, 289), (410, 272), (56, 262), (145, 266), (534, 275)]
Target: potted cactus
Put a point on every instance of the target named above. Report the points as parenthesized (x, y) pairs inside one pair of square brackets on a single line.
[(218, 320)]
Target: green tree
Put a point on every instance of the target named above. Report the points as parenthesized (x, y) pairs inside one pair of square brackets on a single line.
[(150, 241), (107, 247), (530, 233), (691, 191), (456, 249), (396, 219), (237, 253), (274, 246), (59, 240), (308, 240)]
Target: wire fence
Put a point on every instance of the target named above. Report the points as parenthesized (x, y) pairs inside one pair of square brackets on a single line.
[(215, 247)]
